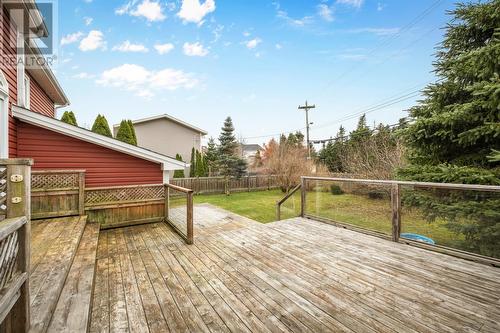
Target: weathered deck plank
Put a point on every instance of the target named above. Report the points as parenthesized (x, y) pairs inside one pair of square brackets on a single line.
[(296, 275)]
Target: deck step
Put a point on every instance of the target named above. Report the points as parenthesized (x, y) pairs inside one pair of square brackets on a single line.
[(73, 308), (54, 245)]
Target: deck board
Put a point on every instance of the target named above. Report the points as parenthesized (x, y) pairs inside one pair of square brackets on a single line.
[(296, 275)]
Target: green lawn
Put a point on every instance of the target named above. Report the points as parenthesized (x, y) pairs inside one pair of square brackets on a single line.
[(358, 210)]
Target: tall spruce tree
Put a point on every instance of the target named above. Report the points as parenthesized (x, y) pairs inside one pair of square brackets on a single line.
[(457, 126), (69, 118), (192, 167), (227, 139), (101, 126), (125, 133), (132, 128), (230, 164), (179, 173)]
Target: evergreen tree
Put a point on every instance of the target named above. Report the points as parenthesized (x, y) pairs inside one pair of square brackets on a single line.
[(457, 126), (125, 133), (211, 157), (101, 126), (200, 172), (257, 161), (332, 154), (227, 140), (179, 173), (69, 118), (132, 128), (192, 168), (362, 131)]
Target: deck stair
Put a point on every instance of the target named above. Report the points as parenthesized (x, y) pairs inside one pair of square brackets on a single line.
[(54, 246), (73, 308)]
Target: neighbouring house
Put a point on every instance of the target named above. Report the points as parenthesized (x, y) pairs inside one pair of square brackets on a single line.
[(248, 151), (167, 135), (29, 96)]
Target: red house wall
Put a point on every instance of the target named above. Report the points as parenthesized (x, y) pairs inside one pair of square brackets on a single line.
[(39, 101), (104, 167), (8, 48)]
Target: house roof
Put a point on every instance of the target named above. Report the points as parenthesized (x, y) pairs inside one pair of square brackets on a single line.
[(168, 163), (250, 147), (43, 74), (170, 118)]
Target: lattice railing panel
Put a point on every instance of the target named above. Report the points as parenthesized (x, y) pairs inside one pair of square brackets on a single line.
[(9, 248), (49, 181), (100, 196), (3, 193)]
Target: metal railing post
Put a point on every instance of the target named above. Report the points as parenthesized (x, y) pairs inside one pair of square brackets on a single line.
[(190, 235), (396, 211), (303, 197)]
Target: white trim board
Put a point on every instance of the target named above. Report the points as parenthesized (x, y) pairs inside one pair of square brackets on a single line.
[(39, 120)]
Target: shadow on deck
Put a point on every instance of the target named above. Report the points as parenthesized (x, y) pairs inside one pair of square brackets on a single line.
[(295, 275)]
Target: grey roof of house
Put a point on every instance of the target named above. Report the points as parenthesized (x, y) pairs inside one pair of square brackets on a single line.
[(251, 147)]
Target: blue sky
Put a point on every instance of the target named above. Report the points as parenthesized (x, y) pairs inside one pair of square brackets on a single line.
[(255, 61)]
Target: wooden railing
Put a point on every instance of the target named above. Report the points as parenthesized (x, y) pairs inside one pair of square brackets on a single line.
[(285, 199), (176, 216), (15, 184), (57, 193), (395, 199)]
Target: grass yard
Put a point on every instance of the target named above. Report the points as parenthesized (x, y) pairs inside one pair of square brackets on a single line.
[(358, 210)]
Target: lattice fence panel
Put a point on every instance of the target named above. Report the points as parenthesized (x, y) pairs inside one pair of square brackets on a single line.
[(3, 193), (49, 181), (9, 248), (100, 196)]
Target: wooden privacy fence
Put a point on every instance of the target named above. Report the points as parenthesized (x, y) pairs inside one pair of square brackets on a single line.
[(15, 175), (57, 193), (125, 205), (202, 185)]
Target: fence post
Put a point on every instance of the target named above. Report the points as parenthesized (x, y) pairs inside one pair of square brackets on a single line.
[(19, 204), (268, 183), (303, 197), (278, 212), (396, 211), (190, 236), (81, 193), (167, 201), (248, 182)]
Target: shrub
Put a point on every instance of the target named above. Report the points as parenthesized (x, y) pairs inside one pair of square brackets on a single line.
[(336, 190)]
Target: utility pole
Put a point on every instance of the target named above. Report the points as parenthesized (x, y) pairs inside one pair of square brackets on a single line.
[(307, 107)]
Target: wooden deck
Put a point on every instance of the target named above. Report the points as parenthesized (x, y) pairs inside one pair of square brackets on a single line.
[(296, 275)]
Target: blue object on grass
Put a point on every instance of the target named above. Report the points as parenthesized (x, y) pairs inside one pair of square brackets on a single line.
[(418, 238)]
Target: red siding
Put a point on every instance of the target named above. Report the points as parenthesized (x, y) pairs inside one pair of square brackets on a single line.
[(105, 167), (8, 48), (39, 101)]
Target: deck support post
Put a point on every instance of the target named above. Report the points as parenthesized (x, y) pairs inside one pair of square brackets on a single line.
[(190, 236), (396, 211), (81, 193), (19, 204)]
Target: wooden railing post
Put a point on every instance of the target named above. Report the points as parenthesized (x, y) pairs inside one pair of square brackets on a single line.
[(190, 235), (19, 204), (303, 197), (396, 211), (167, 201), (81, 193), (278, 211)]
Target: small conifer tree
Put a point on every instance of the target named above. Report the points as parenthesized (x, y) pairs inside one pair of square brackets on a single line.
[(69, 118), (101, 126), (124, 133), (179, 173)]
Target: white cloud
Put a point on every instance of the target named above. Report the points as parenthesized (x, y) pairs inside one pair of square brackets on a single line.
[(380, 7), (93, 41), (193, 11), (252, 44), (300, 22), (246, 33), (194, 49), (145, 83), (152, 11), (164, 48), (88, 20), (278, 46), (325, 12), (127, 46), (71, 38), (83, 76), (352, 3)]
